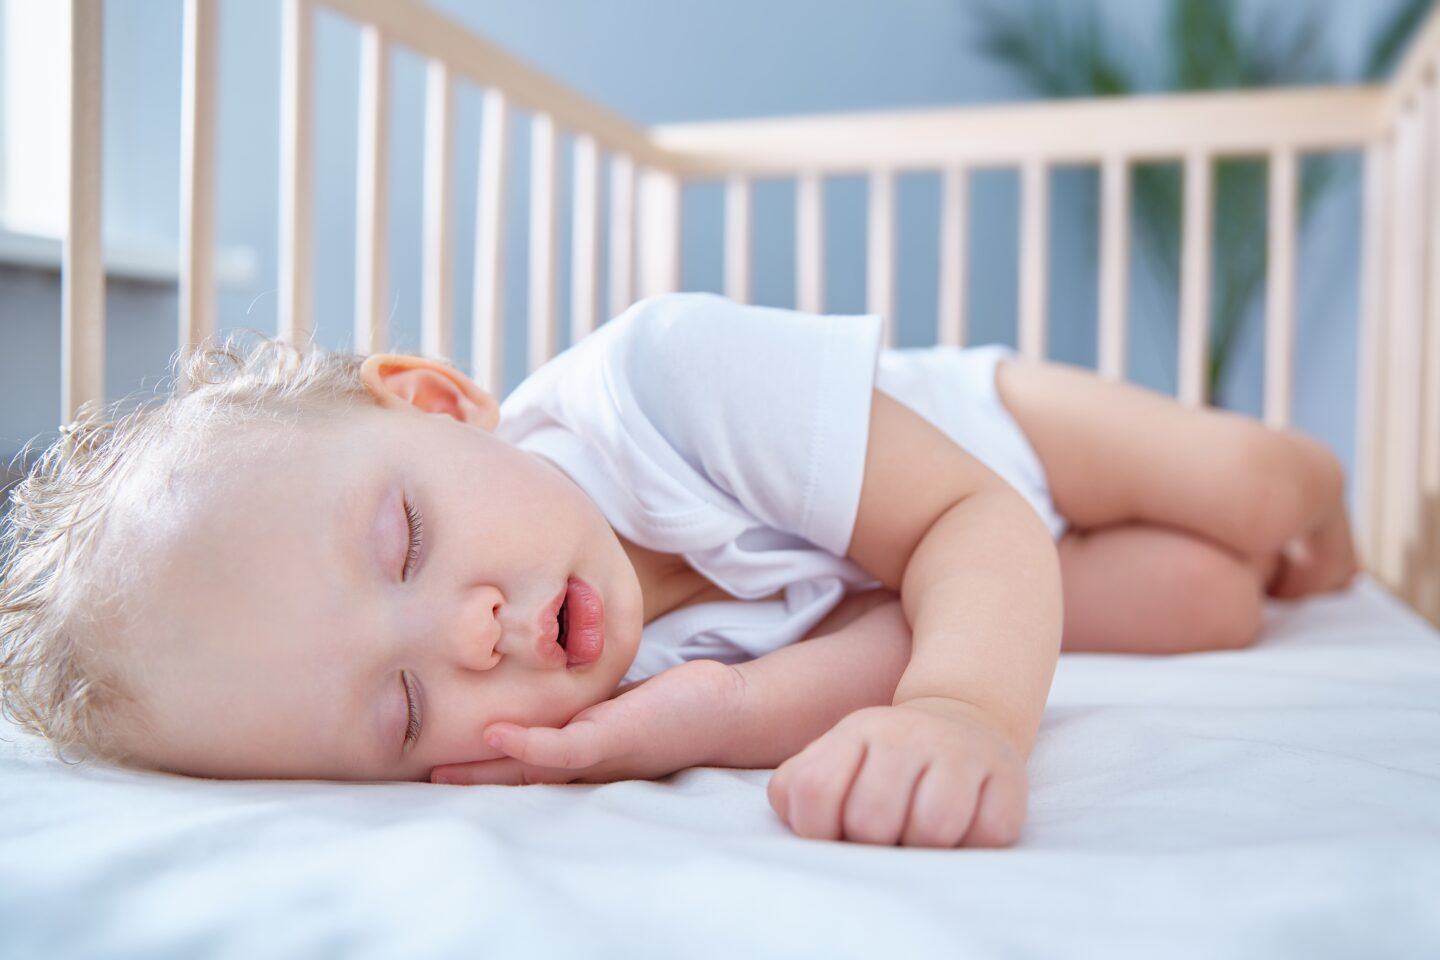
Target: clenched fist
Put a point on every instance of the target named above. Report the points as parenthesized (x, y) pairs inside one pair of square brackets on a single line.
[(929, 772)]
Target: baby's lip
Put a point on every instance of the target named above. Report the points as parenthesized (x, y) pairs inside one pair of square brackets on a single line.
[(547, 641)]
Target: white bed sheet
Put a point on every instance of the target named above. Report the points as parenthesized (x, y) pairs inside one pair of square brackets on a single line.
[(1277, 802)]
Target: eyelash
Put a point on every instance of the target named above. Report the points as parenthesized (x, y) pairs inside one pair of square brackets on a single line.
[(412, 730), (417, 526)]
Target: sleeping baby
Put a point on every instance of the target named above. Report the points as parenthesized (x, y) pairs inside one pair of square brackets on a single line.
[(708, 534)]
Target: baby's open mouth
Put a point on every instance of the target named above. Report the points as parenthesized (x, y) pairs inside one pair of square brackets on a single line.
[(561, 619)]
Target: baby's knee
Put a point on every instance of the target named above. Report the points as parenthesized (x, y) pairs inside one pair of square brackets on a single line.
[(1224, 605)]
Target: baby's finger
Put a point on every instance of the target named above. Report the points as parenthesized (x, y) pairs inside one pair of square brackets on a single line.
[(819, 785), (778, 793), (1000, 812), (778, 788), (581, 743), (506, 770), (942, 807), (878, 800)]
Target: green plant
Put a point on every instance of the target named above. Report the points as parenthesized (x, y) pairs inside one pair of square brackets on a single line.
[(1390, 40), (1204, 46)]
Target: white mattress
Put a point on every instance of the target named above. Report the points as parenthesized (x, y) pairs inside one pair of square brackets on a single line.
[(1277, 802)]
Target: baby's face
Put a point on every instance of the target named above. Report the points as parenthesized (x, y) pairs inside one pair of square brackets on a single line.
[(284, 620)]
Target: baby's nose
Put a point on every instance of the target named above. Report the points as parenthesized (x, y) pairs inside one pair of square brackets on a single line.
[(479, 647)]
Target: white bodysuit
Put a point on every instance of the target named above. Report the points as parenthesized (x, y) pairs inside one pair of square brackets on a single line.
[(735, 435)]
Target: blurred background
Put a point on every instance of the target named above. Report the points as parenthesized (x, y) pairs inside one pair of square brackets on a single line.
[(657, 62)]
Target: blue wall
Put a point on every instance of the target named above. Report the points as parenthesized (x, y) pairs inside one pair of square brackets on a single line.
[(653, 62)]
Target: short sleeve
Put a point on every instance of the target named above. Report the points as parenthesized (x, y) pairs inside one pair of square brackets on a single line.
[(771, 405)]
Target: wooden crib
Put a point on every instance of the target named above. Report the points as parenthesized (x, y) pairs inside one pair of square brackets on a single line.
[(1396, 126)]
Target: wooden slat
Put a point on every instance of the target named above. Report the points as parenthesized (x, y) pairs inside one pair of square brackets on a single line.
[(809, 244), (880, 251), (1369, 385), (1072, 131), (737, 239), (1402, 338), (437, 314), (544, 247), (1280, 288), (487, 356), (622, 233), (659, 234), (1426, 574), (82, 286), (585, 238), (1034, 256), (1195, 282), (1408, 338), (1114, 266), (954, 255), (197, 174), (293, 322), (427, 31), (372, 186)]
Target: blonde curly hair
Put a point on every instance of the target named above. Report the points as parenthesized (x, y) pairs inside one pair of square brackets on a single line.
[(58, 580)]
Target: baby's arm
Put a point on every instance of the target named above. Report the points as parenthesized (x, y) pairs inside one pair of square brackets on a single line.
[(791, 696)]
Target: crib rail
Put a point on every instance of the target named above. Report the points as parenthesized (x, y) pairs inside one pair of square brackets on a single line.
[(1112, 134), (1140, 128), (1397, 477)]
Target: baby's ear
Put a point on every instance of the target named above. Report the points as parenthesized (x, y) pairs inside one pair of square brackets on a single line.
[(398, 381)]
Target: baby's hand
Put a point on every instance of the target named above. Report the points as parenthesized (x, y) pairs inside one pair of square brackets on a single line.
[(654, 728), (931, 773)]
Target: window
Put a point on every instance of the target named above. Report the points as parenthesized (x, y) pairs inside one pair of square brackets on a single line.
[(34, 91)]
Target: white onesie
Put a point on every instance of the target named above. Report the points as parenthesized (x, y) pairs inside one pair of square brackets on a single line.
[(735, 435)]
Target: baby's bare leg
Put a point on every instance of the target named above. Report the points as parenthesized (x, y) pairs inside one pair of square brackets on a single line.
[(1128, 588), (1141, 588), (1119, 453)]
